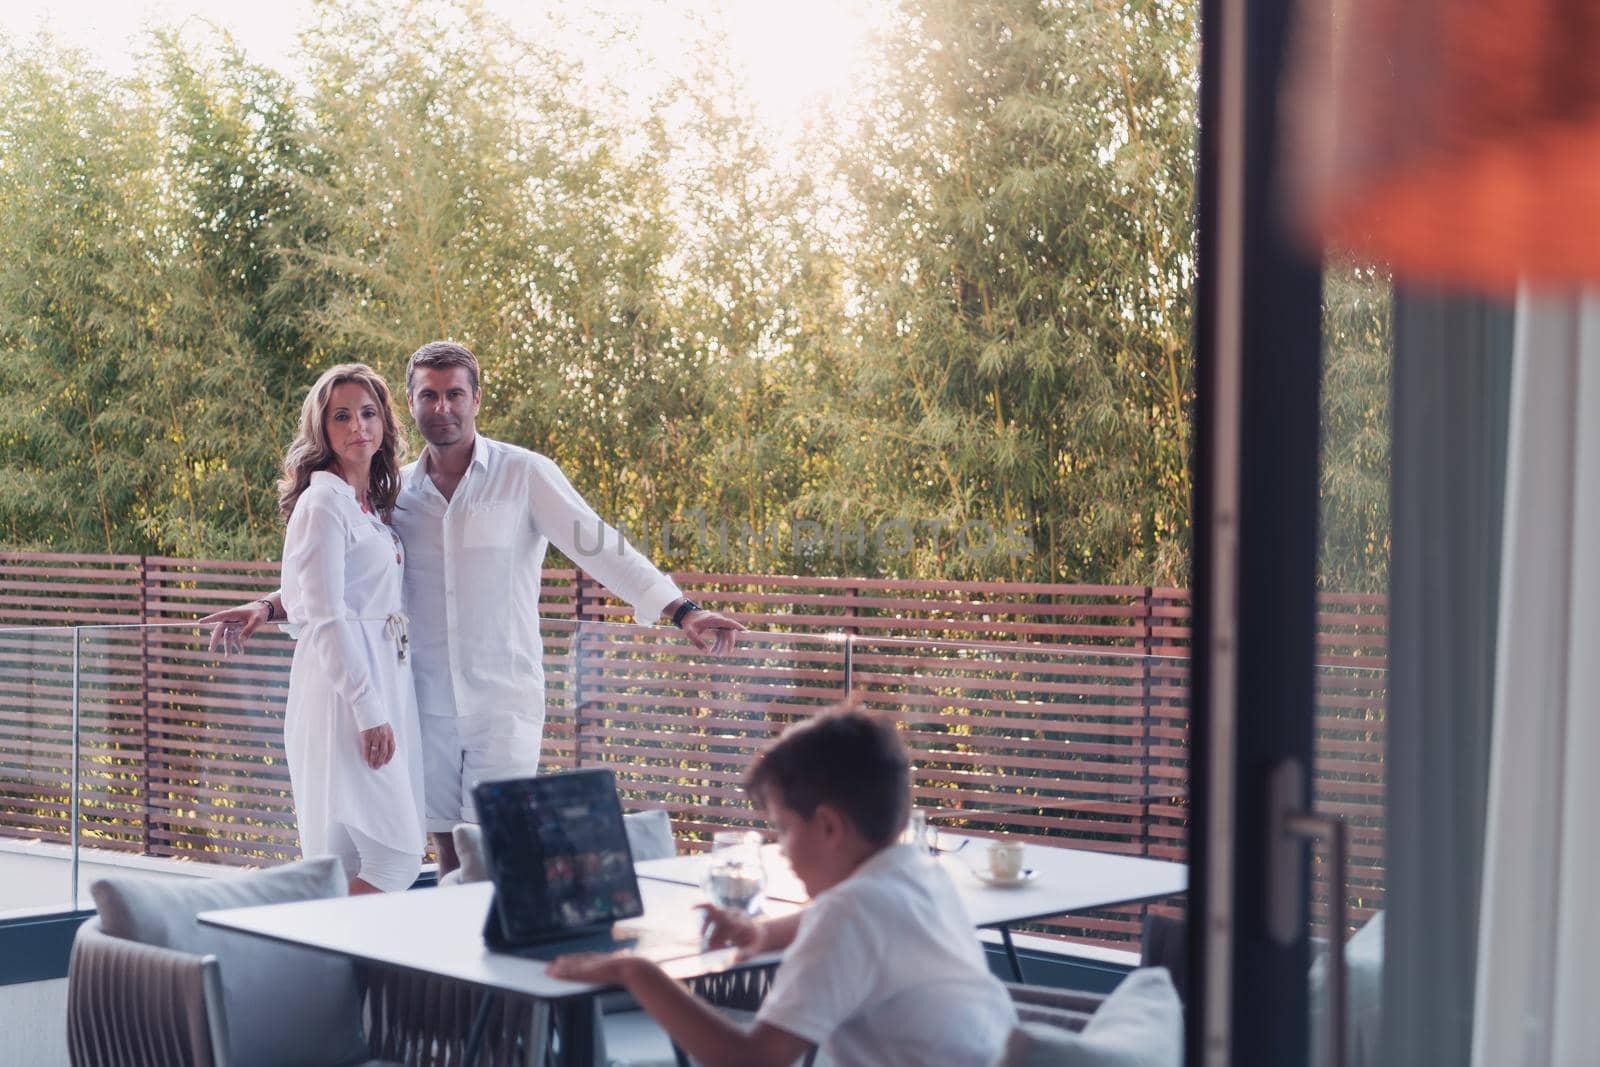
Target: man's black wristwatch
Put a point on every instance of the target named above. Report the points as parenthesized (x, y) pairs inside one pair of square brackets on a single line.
[(683, 612)]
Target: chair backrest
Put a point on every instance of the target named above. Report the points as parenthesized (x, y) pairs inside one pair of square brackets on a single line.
[(136, 1005), (1139, 1024), (649, 836), (263, 983), (1166, 944), (468, 839)]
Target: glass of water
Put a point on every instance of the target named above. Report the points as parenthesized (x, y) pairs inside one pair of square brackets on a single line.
[(735, 878)]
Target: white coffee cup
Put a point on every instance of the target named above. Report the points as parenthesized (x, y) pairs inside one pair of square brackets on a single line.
[(1005, 860)]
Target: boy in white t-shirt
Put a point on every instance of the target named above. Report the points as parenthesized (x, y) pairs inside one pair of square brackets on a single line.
[(882, 968)]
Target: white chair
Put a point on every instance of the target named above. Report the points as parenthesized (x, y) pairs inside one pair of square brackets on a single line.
[(649, 836), (1363, 961), (1139, 1024), (148, 986)]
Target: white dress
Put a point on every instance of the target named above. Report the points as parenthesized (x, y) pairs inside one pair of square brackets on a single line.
[(341, 592)]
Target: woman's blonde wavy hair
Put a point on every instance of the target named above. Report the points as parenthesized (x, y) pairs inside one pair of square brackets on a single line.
[(310, 451)]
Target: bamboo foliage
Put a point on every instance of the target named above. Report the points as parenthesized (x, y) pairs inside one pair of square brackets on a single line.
[(966, 301)]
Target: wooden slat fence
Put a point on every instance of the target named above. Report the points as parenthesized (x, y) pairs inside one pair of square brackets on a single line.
[(1056, 712)]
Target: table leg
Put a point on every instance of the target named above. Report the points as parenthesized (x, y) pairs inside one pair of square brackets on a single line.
[(539, 1035), (575, 1029), (480, 1023), (1011, 952)]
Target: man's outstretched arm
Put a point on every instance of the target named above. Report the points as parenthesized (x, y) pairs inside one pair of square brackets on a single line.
[(232, 627), (557, 509)]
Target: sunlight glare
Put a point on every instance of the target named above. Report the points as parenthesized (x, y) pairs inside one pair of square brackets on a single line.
[(796, 55)]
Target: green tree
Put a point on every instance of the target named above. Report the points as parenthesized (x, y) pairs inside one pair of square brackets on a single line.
[(472, 194), (78, 267), (1357, 349), (1024, 261), (754, 283), (225, 379)]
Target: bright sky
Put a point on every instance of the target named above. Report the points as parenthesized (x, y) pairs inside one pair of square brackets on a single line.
[(791, 52)]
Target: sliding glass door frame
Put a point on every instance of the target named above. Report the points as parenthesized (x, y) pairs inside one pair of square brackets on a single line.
[(1258, 375)]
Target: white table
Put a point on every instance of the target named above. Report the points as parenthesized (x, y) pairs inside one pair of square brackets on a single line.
[(1069, 880), (440, 932)]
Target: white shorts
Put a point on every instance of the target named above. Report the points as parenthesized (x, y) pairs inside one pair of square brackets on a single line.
[(459, 751), (388, 869)]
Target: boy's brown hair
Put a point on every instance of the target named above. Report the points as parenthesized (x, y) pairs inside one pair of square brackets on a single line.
[(849, 759)]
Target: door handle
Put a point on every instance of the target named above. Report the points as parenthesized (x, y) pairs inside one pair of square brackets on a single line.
[(1290, 828)]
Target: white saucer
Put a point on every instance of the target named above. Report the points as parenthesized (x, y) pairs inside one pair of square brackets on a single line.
[(1028, 874)]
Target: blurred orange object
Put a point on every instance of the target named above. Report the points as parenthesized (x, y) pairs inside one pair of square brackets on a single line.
[(1455, 140)]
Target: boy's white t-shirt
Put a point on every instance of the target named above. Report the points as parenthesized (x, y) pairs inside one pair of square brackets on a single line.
[(886, 969)]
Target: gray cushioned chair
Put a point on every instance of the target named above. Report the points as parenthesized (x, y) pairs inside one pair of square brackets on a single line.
[(649, 836), (1138, 1024), (1363, 960), (1051, 1020), (148, 985)]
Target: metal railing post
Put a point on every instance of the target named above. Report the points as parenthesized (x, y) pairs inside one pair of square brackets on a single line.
[(850, 631), (144, 707), (583, 590), (849, 664), (1146, 715), (77, 752)]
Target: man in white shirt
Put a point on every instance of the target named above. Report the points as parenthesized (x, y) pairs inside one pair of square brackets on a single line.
[(476, 517), (882, 968)]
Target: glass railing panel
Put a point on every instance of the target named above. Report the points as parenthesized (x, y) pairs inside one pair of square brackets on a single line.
[(1019, 734), (678, 726), (1043, 743), (1348, 781), (36, 762), (183, 768)]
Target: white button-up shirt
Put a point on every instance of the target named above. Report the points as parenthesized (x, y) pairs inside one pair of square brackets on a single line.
[(472, 577)]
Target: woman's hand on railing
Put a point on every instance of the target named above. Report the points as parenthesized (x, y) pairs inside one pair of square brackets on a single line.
[(232, 627)]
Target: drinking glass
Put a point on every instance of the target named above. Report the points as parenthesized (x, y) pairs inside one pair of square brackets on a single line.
[(736, 879)]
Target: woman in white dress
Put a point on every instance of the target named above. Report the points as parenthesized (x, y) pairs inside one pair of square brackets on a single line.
[(351, 731)]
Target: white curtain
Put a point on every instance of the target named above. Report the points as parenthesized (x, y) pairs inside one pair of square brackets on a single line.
[(1538, 984)]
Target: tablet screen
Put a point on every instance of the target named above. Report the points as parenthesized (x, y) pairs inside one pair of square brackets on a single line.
[(558, 853)]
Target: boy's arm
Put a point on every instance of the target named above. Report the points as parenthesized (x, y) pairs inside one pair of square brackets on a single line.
[(707, 1036), (752, 937), (778, 934)]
